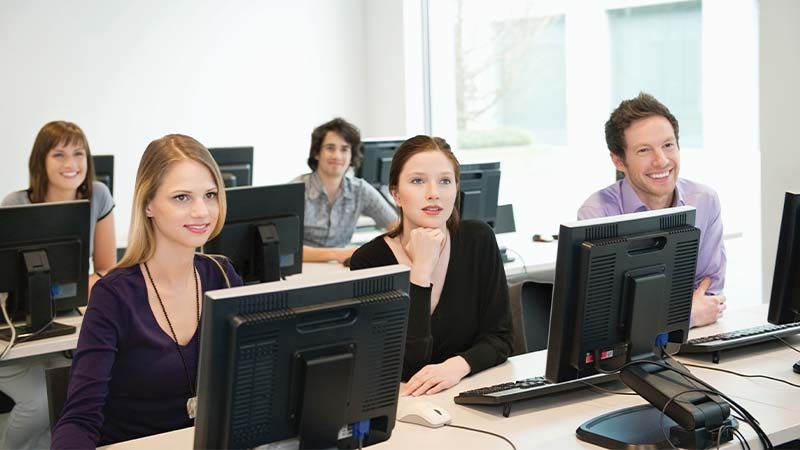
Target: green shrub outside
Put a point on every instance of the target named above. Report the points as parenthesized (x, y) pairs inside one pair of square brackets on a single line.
[(498, 137)]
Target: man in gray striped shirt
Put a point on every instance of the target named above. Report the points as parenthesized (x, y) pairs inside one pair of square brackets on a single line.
[(334, 201)]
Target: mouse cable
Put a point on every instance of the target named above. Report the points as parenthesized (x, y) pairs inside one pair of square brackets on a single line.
[(739, 374), (787, 344), (478, 430)]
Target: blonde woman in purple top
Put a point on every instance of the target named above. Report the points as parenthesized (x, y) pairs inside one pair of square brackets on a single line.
[(135, 369), (642, 136)]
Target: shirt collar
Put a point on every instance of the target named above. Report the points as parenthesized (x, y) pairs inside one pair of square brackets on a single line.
[(316, 189), (678, 200), (632, 203), (630, 200)]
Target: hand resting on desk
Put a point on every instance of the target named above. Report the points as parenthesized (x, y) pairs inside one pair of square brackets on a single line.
[(706, 309), (435, 378)]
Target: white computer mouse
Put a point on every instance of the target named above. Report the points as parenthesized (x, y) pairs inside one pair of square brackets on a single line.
[(423, 412)]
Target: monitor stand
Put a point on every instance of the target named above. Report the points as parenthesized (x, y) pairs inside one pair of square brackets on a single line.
[(26, 333), (504, 255), (36, 293), (645, 426)]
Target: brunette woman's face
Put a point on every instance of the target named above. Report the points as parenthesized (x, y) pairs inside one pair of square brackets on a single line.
[(426, 190), (66, 165)]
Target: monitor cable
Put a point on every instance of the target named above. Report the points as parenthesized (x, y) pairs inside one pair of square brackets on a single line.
[(44, 327), (360, 430), (739, 374), (478, 430), (597, 388), (3, 300), (37, 332), (719, 432)]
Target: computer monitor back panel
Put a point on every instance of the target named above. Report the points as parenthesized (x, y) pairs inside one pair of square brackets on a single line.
[(377, 160), (257, 343), (104, 170), (480, 188), (235, 164), (784, 304), (606, 271), (282, 206), (65, 242)]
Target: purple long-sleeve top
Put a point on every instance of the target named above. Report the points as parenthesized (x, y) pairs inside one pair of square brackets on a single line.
[(620, 198), (127, 379)]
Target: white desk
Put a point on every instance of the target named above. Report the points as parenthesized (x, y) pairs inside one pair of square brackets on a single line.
[(529, 257), (551, 422), (49, 345), (315, 269)]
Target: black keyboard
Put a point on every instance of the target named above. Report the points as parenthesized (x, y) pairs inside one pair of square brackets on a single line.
[(739, 338), (507, 393)]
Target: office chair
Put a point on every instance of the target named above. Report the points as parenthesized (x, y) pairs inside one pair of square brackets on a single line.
[(57, 381), (530, 303)]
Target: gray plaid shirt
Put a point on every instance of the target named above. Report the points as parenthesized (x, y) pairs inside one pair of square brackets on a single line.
[(329, 225)]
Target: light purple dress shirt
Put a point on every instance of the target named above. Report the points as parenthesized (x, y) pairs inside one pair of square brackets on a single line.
[(620, 198)]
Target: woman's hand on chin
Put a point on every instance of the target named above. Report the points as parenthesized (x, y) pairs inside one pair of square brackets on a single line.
[(423, 249)]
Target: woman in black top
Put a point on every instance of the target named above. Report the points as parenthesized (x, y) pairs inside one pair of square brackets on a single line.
[(459, 318)]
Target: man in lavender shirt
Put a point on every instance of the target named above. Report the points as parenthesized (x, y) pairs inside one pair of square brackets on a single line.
[(642, 136)]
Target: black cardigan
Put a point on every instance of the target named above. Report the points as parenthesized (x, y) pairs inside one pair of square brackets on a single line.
[(472, 318)]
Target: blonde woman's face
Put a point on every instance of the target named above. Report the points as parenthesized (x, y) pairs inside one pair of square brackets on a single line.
[(185, 208)]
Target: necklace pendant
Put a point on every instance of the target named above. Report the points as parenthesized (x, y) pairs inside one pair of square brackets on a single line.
[(191, 407)]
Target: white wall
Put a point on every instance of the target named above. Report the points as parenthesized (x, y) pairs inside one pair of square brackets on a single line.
[(780, 97), (242, 72)]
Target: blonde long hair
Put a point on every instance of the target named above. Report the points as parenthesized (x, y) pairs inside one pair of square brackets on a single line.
[(159, 156)]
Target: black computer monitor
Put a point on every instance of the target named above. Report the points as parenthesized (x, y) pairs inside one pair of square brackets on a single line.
[(104, 170), (263, 232), (235, 164), (304, 358), (377, 160), (375, 164), (784, 301), (621, 284), (479, 183), (479, 186), (44, 264)]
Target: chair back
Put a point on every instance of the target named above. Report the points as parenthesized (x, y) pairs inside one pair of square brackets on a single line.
[(57, 381)]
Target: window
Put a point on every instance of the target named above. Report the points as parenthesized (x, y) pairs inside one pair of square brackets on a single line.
[(530, 83), (665, 41)]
